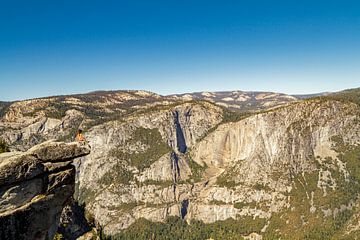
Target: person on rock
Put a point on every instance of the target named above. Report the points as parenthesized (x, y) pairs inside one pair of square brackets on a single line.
[(80, 137)]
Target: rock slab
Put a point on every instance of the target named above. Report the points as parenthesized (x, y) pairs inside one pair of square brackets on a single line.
[(34, 188)]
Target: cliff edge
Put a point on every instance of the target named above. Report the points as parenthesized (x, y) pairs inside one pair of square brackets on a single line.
[(34, 187)]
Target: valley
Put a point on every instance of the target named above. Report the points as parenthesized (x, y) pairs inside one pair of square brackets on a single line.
[(223, 165)]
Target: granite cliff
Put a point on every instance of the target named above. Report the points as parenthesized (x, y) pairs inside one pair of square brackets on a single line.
[(289, 171), (34, 188)]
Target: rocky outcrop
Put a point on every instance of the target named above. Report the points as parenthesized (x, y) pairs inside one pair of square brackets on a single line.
[(73, 223), (290, 136), (258, 157), (29, 131), (24, 124), (159, 158), (130, 192), (34, 187)]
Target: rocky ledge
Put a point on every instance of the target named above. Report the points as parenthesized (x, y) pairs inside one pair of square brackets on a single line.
[(34, 187)]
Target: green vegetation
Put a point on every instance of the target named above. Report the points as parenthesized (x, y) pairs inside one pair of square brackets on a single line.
[(232, 116), (261, 186), (119, 174), (176, 228), (86, 195), (3, 146), (216, 202), (318, 228), (162, 107), (307, 225), (240, 205), (301, 224), (298, 222), (156, 148), (223, 181), (196, 169), (163, 184), (125, 207), (226, 178), (59, 109), (350, 95), (4, 106), (328, 229), (91, 105), (58, 236)]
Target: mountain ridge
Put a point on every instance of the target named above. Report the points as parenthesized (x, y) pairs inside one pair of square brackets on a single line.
[(282, 171)]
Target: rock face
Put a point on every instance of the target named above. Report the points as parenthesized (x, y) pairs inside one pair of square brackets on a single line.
[(291, 169), (256, 160), (290, 136), (26, 123), (240, 169), (125, 170), (34, 187), (250, 168)]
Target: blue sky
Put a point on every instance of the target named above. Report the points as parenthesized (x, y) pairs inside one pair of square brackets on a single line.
[(64, 47)]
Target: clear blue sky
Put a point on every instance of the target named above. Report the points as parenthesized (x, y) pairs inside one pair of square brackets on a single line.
[(62, 47)]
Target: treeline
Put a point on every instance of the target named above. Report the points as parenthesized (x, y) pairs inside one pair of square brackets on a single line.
[(4, 107), (176, 228), (3, 146), (351, 95)]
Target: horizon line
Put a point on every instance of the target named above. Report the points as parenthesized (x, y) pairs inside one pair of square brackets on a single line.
[(178, 93)]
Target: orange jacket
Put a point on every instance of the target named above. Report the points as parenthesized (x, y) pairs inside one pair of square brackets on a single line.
[(80, 137)]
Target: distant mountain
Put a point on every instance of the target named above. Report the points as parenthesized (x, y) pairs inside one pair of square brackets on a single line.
[(158, 163), (240, 100), (306, 96), (349, 95)]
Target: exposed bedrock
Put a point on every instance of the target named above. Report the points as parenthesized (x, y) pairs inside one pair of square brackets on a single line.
[(34, 188)]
